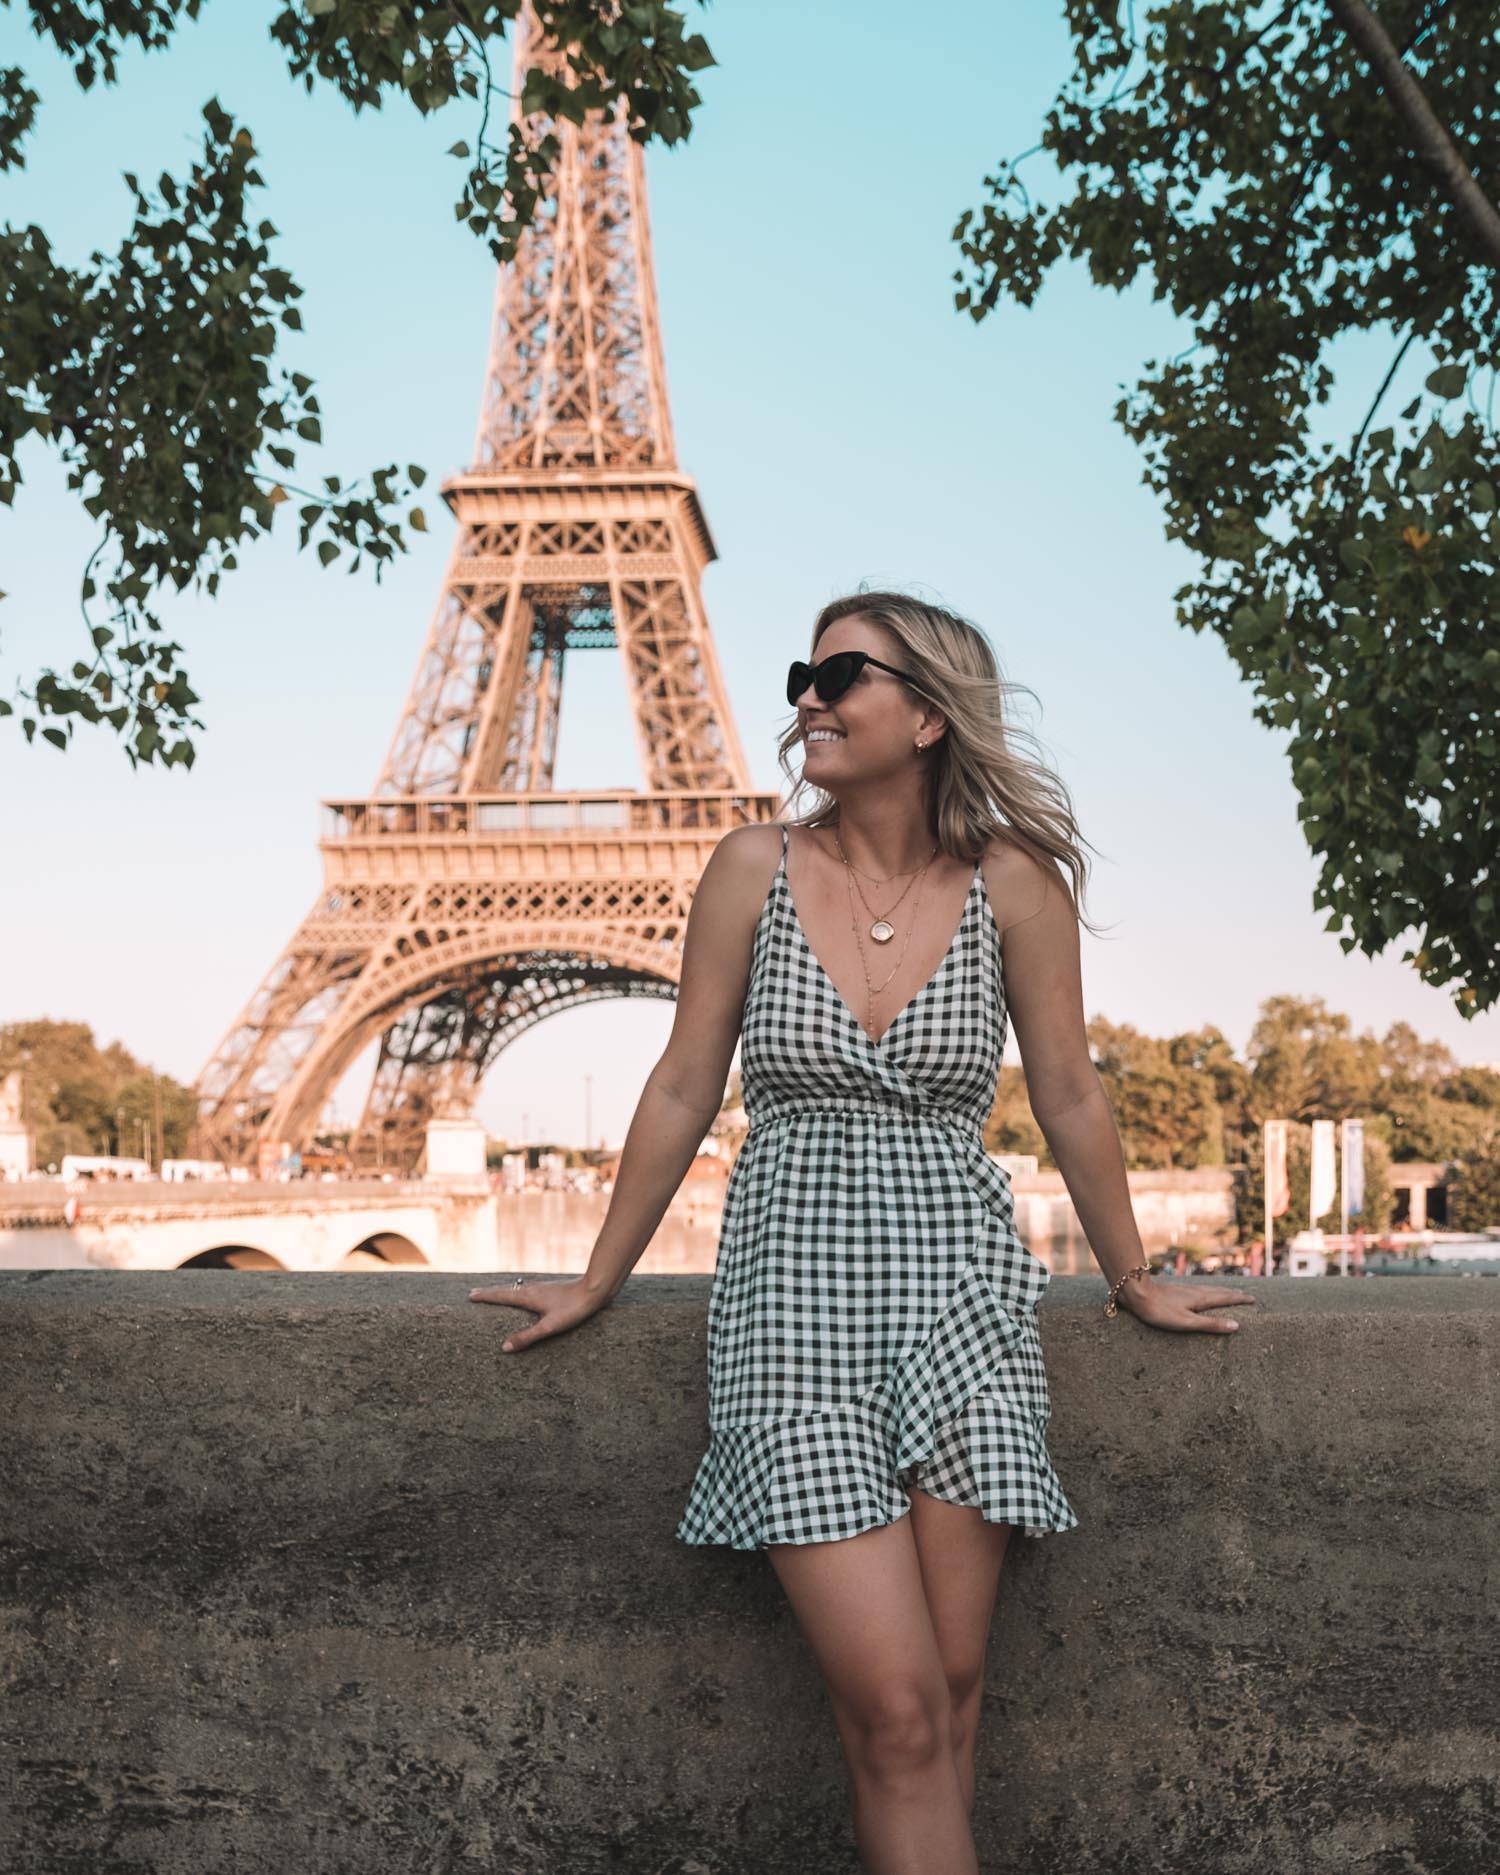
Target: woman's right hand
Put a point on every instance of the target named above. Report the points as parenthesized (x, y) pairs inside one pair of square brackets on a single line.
[(558, 1307)]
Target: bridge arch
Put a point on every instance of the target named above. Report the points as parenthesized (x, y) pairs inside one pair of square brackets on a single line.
[(387, 1249), (233, 1256)]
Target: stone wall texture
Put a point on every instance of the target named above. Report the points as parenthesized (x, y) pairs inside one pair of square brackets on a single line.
[(302, 1576)]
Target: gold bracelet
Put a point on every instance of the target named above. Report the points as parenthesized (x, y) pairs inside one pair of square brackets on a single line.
[(1111, 1308)]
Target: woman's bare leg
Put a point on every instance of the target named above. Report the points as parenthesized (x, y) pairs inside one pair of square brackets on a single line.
[(961, 1556), (863, 1610)]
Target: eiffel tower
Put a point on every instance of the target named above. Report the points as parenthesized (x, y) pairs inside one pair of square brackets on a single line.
[(468, 898)]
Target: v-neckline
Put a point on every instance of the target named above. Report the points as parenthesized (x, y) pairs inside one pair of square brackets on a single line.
[(875, 1042)]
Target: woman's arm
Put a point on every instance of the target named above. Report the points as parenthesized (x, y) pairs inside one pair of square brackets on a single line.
[(663, 1140), (683, 1091), (1044, 993)]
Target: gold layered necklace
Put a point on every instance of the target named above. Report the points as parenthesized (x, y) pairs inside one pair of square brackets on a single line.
[(882, 930)]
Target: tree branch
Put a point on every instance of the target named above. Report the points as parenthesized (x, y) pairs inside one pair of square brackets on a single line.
[(1430, 140), (1385, 385)]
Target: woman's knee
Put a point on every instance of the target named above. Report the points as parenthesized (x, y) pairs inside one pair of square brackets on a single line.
[(900, 1728), (965, 1685)]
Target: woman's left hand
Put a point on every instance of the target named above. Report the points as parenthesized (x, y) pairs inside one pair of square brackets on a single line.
[(1178, 1305)]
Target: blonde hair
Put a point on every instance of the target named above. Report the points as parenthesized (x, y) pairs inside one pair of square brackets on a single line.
[(980, 786)]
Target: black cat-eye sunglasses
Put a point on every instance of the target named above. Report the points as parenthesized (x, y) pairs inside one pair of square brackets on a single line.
[(831, 677)]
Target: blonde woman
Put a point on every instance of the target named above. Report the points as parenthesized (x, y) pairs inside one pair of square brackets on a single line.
[(877, 1396)]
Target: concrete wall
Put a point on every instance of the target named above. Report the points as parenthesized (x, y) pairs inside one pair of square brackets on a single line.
[(302, 1576)]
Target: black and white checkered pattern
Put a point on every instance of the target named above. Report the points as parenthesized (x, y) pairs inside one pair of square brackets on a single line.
[(873, 1311)]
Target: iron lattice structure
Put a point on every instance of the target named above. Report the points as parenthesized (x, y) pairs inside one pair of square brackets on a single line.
[(468, 898)]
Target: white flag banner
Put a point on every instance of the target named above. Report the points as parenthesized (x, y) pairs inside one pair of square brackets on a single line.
[(1354, 1166), (1278, 1183), (1324, 1181)]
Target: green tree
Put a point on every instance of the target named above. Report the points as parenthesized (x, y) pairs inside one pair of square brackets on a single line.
[(1474, 1178), (1186, 1101), (152, 370), (1306, 1065), (1207, 1052), (84, 1098), (1283, 178), (1475, 1087), (1420, 1123), (1474, 1183), (1165, 1105)]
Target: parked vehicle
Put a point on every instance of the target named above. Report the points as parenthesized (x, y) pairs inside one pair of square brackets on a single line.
[(103, 1166)]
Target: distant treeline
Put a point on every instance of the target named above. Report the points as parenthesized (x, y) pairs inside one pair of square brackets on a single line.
[(1188, 1100), (84, 1098), (1180, 1101)]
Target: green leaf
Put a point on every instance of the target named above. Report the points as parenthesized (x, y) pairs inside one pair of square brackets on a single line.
[(1448, 380), (328, 551)]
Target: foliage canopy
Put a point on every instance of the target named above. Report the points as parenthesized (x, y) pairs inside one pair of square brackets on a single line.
[(152, 371), (1187, 1101), (1241, 158)]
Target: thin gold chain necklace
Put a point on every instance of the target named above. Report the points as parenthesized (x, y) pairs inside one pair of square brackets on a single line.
[(873, 990), (881, 929), (874, 878)]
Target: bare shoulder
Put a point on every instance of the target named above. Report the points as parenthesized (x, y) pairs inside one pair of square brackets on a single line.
[(1020, 885), (740, 868), (716, 957), (732, 888), (1039, 937)]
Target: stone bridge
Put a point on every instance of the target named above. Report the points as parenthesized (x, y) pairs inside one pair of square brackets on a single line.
[(301, 1225)]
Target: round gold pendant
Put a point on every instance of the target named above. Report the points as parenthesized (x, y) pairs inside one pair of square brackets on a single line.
[(882, 932)]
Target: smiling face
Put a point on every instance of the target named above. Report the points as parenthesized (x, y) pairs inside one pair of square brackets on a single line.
[(873, 727)]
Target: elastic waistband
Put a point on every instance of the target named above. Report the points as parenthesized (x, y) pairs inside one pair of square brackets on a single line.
[(950, 1117)]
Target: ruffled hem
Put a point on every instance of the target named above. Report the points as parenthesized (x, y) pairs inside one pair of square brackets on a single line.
[(956, 1410)]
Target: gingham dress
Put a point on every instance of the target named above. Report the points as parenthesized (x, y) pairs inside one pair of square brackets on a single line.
[(872, 1318)]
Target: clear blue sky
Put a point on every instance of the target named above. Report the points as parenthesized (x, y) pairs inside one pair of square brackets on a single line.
[(843, 421)]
